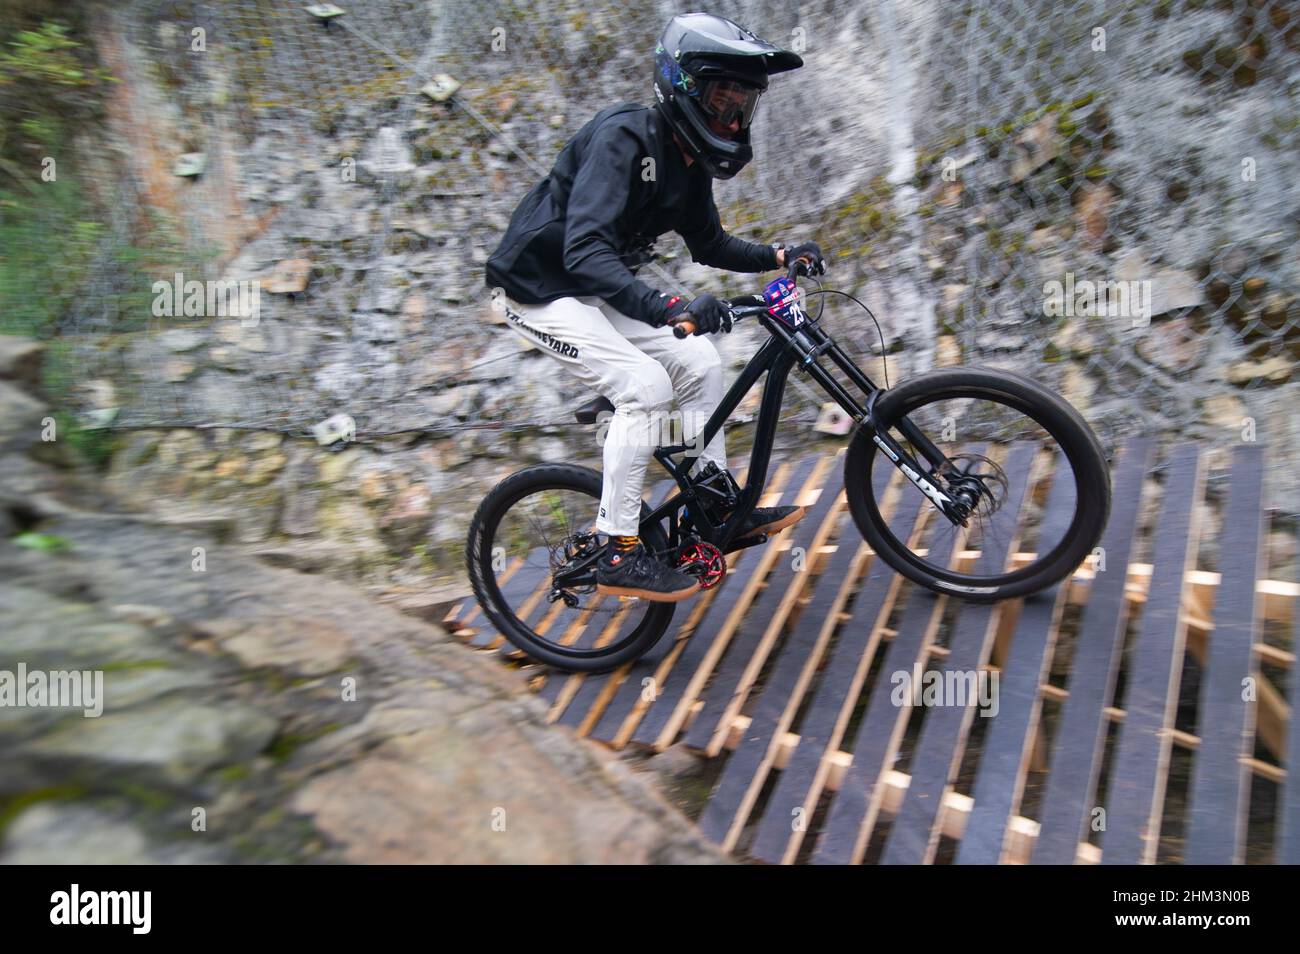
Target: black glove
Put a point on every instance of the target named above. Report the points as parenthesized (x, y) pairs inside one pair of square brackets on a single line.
[(809, 251), (707, 313), (710, 315)]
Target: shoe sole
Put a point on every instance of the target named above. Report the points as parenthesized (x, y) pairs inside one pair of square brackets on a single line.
[(650, 595), (786, 521)]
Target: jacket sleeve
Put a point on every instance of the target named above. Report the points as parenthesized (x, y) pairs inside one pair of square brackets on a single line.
[(711, 246), (601, 193)]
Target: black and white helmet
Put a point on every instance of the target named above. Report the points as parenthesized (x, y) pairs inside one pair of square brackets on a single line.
[(709, 69)]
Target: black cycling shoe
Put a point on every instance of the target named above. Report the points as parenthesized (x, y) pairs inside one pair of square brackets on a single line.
[(769, 520), (636, 573)]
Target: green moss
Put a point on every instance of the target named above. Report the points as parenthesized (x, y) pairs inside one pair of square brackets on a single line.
[(285, 744), (44, 542), (135, 664), (234, 773), (155, 800)]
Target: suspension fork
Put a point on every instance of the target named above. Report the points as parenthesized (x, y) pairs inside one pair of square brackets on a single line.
[(936, 458), (812, 342)]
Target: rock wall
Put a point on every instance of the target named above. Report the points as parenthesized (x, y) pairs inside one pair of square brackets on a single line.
[(952, 158)]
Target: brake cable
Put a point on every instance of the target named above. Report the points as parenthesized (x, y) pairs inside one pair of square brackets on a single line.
[(884, 358)]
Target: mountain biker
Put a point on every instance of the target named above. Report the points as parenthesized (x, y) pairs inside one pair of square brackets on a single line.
[(568, 261)]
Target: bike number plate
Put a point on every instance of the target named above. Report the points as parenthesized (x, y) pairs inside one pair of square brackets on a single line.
[(782, 297)]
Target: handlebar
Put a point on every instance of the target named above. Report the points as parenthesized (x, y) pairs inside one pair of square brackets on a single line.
[(685, 326)]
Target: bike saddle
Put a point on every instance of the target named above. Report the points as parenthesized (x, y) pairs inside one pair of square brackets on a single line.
[(588, 413)]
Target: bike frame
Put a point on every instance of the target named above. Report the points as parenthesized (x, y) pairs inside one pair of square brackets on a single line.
[(786, 348)]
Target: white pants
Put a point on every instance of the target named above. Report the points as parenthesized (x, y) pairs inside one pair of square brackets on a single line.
[(638, 368)]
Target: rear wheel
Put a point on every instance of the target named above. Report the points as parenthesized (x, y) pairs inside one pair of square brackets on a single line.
[(985, 421), (531, 555)]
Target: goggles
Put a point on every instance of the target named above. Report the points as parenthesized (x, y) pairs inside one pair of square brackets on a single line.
[(729, 101)]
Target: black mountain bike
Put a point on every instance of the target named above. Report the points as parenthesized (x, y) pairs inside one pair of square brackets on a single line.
[(532, 548)]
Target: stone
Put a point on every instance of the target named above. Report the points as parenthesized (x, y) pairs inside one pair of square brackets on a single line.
[(385, 289), (177, 369), (246, 339), (1275, 369), (20, 361), (59, 834), (130, 686), (407, 519), (178, 340), (446, 403), (1171, 288), (1076, 388), (62, 633), (1176, 346), (21, 417), (335, 467), (1223, 411), (1072, 340), (307, 645), (472, 790), (676, 762), (262, 470), (174, 741), (1093, 213), (1038, 145), (947, 352), (288, 277), (951, 297)]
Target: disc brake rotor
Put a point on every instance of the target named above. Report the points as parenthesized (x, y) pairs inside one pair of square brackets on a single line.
[(980, 480)]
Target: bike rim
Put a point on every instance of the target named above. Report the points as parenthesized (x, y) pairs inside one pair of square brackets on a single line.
[(996, 437), (524, 546)]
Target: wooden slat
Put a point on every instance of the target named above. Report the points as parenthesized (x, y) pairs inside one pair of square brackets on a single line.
[(1135, 795), (732, 799), (855, 807), (808, 767), (1216, 822), (602, 628), (763, 623), (664, 717), (1010, 740), (1080, 737), (915, 832), (1288, 836), (522, 586)]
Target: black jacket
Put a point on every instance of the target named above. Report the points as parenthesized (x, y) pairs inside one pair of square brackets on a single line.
[(586, 227)]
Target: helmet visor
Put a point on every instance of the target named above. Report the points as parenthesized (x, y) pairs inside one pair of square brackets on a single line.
[(729, 101)]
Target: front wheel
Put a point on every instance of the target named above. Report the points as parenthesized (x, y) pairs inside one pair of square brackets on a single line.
[(1040, 473)]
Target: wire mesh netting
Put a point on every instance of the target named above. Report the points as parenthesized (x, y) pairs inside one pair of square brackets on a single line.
[(1102, 194)]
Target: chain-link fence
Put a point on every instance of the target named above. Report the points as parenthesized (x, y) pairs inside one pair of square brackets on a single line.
[(1102, 194)]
